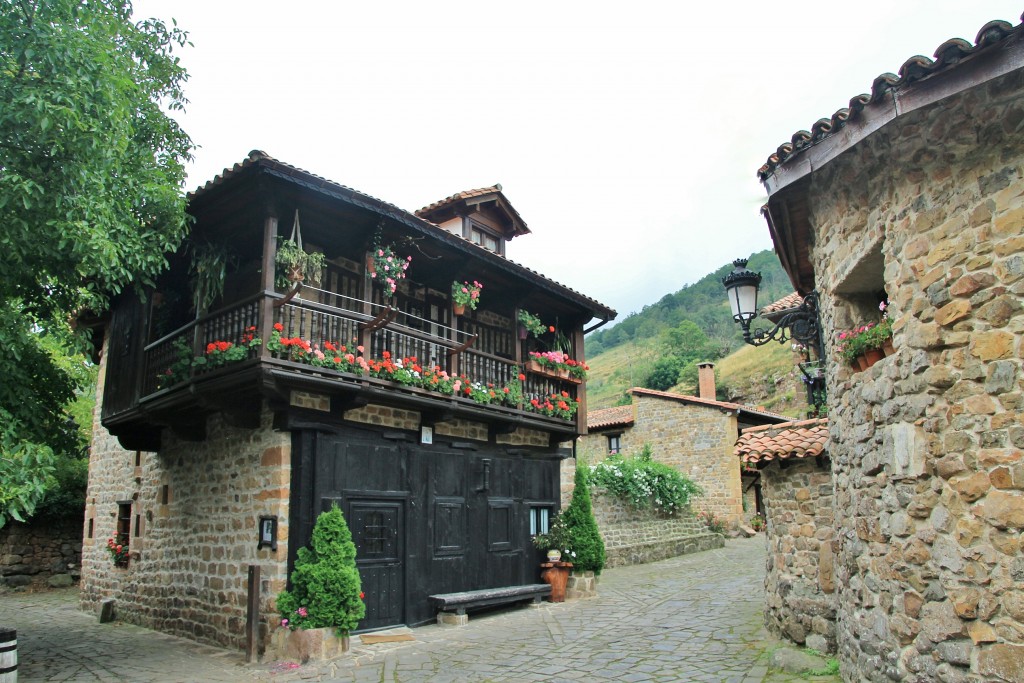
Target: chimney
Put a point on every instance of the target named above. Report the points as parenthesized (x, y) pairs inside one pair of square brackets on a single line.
[(706, 380)]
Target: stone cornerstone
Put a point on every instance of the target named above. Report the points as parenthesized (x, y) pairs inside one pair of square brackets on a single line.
[(194, 512)]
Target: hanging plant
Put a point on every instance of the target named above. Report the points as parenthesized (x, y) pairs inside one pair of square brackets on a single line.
[(296, 265), (209, 268), (531, 322), (387, 267), (466, 294)]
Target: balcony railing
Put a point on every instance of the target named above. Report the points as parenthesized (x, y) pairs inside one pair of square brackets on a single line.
[(485, 372)]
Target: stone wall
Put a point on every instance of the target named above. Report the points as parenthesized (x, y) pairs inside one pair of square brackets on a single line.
[(640, 536), (927, 444), (40, 552), (800, 598), (194, 515), (697, 440)]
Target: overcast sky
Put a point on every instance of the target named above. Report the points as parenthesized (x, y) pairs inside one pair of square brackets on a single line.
[(626, 134)]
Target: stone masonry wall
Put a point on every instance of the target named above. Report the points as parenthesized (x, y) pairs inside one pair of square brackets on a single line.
[(40, 552), (640, 536), (696, 440), (927, 445), (800, 599), (195, 509)]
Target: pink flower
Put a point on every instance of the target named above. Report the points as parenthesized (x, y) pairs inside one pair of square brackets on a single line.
[(284, 622), (302, 612)]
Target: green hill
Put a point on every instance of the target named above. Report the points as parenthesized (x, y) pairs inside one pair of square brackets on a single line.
[(628, 354)]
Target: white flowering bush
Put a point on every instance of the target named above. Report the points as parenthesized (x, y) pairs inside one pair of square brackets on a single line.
[(643, 483)]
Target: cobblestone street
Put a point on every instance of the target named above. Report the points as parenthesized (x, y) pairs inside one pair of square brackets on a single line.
[(690, 618)]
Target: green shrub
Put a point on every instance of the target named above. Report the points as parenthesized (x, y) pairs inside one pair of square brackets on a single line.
[(642, 483), (326, 588), (585, 540)]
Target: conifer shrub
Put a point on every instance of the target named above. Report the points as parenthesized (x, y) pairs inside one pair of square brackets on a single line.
[(585, 540), (326, 590)]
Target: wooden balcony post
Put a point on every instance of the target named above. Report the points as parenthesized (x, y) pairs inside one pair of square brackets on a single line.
[(268, 271), (581, 391)]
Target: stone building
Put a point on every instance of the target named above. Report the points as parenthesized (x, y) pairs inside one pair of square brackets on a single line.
[(424, 423), (800, 601), (695, 435), (914, 195)]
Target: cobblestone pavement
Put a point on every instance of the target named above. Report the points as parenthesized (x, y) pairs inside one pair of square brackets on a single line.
[(691, 618)]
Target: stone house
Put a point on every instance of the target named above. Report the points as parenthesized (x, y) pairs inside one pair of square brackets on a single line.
[(792, 458), (914, 194), (693, 434), (422, 423)]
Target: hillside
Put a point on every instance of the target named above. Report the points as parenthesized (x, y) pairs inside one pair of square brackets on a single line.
[(625, 355)]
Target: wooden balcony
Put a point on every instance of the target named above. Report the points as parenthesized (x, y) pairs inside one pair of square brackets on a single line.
[(468, 370)]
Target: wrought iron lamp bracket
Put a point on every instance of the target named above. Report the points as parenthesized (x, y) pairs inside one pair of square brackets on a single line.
[(800, 324)]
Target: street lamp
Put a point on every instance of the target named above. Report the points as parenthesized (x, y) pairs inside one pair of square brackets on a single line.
[(799, 323)]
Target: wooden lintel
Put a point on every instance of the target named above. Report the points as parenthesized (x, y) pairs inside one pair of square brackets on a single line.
[(459, 349), (386, 316), (289, 295), (504, 427)]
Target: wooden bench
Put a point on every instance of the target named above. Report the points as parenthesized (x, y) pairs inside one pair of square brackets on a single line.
[(452, 607)]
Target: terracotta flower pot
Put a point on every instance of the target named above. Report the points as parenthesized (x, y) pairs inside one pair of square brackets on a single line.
[(872, 356), (459, 309), (523, 332), (887, 348), (861, 363)]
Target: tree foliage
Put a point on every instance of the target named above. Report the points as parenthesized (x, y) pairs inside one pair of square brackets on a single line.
[(91, 170), (702, 302), (584, 538), (326, 590)]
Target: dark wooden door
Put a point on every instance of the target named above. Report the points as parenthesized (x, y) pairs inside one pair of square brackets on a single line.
[(377, 530)]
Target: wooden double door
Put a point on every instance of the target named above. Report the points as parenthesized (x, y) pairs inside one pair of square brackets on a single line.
[(427, 519)]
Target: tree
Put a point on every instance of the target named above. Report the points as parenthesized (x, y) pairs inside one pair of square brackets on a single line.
[(326, 590), (91, 172), (585, 539)]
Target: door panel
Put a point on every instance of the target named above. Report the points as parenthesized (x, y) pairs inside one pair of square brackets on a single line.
[(377, 532)]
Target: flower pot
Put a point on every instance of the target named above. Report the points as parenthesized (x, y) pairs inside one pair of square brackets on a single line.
[(872, 356), (523, 332), (302, 645), (370, 268), (459, 309), (554, 555), (557, 576), (563, 373), (296, 273), (860, 363), (534, 366), (887, 348)]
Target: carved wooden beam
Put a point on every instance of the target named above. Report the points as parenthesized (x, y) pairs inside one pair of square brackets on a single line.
[(289, 295), (459, 349), (386, 316)]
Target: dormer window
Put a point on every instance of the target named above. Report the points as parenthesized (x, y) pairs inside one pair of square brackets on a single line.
[(485, 238)]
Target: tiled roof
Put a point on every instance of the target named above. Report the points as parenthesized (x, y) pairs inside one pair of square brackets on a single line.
[(803, 439), (610, 417), (784, 304), (721, 405), (459, 196), (914, 69), (257, 157)]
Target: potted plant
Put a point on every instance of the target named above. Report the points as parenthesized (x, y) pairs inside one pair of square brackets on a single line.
[(555, 540), (326, 597), (386, 267), (529, 324), (584, 537), (296, 265), (118, 552), (465, 294)]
